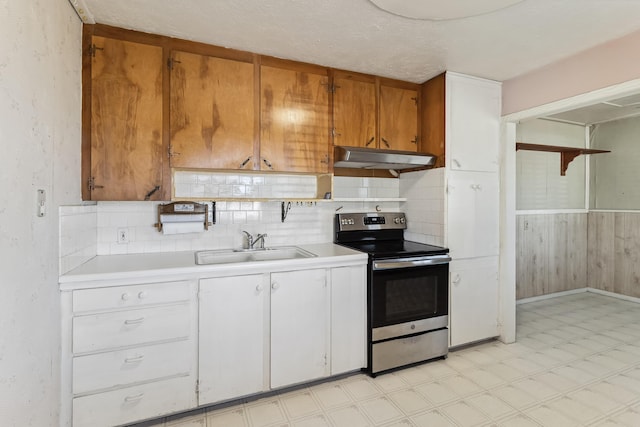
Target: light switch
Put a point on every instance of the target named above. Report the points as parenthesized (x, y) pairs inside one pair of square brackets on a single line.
[(42, 200)]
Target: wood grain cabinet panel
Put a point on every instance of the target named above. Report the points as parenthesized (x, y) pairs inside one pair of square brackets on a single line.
[(354, 113), (126, 119), (212, 112), (294, 133), (398, 119)]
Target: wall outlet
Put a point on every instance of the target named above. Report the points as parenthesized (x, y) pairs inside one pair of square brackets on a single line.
[(123, 235)]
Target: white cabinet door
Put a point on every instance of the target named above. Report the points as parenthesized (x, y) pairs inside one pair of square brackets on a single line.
[(473, 201), (348, 319), (473, 314), (472, 123), (232, 335), (299, 326)]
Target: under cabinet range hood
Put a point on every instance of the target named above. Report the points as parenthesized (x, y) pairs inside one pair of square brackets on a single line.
[(368, 158)]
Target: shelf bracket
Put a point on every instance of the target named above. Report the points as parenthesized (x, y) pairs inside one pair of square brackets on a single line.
[(567, 154)]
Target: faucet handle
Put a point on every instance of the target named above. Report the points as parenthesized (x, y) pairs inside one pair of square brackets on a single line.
[(249, 240)]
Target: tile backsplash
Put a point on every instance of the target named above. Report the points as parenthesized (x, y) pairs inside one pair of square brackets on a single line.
[(87, 231), (78, 236)]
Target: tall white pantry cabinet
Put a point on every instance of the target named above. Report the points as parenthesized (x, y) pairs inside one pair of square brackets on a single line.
[(472, 189)]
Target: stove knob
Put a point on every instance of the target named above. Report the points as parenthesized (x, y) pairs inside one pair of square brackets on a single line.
[(402, 220), (396, 220)]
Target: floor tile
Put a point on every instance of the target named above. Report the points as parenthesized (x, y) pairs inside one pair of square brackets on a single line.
[(300, 405), (380, 410), (320, 420), (235, 417), (265, 412), (464, 415), (518, 421), (490, 405), (331, 395), (549, 417), (409, 401), (432, 419), (349, 416), (360, 388)]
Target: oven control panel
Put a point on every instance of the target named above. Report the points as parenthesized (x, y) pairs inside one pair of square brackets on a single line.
[(371, 221)]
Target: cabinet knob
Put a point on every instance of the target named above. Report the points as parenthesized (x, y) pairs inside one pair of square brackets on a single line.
[(142, 294), (125, 296), (275, 285), (259, 288)]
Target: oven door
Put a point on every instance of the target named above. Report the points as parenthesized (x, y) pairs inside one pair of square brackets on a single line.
[(408, 290)]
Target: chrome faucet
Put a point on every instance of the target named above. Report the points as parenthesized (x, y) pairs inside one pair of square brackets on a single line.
[(251, 242)]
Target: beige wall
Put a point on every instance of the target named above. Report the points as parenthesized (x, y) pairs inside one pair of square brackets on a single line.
[(611, 63), (40, 68)]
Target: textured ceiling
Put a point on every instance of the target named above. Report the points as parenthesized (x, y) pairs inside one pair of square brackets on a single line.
[(356, 35)]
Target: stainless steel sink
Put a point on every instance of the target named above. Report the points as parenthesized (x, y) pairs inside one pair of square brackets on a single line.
[(227, 256)]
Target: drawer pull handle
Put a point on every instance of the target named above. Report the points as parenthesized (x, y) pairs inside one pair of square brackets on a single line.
[(134, 359), (142, 295), (134, 397), (133, 321)]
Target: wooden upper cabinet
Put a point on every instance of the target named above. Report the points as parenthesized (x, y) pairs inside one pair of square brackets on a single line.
[(212, 112), (432, 119), (126, 120), (354, 112), (294, 130), (398, 119)]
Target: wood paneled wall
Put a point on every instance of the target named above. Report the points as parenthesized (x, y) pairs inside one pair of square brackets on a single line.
[(614, 252), (551, 254)]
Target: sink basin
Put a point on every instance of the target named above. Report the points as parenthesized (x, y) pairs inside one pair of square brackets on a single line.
[(227, 256)]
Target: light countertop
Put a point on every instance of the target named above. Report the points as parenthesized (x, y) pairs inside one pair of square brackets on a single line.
[(171, 264)]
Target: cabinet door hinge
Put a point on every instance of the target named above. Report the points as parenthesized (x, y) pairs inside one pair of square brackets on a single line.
[(329, 87), (91, 183), (171, 62), (415, 100), (197, 386), (325, 359), (92, 50)]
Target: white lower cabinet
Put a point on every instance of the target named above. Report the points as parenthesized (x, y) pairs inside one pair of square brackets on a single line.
[(267, 331), (137, 351), (299, 326), (348, 319), (232, 336), (473, 314), (132, 351)]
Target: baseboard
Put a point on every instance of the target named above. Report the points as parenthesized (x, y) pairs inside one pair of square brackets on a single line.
[(578, 291), (614, 295), (553, 295)]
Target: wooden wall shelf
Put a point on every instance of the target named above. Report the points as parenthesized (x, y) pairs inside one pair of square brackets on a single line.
[(567, 154)]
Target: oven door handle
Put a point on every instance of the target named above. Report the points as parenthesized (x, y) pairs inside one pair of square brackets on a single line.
[(409, 263)]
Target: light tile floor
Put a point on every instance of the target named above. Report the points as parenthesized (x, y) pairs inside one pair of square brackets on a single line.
[(576, 362)]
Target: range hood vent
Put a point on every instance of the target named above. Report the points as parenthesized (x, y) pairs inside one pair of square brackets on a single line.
[(367, 158)]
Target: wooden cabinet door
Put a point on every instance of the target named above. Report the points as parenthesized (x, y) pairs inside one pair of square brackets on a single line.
[(232, 333), (354, 113), (294, 133), (398, 119), (299, 319), (212, 112), (126, 120)]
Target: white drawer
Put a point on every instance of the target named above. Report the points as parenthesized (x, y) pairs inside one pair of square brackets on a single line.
[(130, 296), (132, 327), (135, 403), (117, 368)]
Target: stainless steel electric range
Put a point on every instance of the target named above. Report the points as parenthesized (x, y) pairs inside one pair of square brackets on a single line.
[(407, 290)]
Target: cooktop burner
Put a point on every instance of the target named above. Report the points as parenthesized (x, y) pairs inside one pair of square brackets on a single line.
[(380, 234), (395, 248)]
